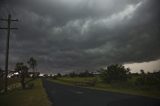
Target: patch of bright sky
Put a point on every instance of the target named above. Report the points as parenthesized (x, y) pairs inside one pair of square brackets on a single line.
[(146, 66)]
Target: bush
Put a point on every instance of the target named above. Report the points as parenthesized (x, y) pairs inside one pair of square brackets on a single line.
[(115, 73), (149, 79), (86, 73)]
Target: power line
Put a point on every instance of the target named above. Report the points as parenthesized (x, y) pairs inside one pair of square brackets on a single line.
[(8, 28)]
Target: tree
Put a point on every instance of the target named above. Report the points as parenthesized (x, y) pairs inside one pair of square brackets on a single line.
[(142, 72), (32, 64), (115, 73), (148, 79), (86, 73), (23, 72), (59, 75), (72, 74)]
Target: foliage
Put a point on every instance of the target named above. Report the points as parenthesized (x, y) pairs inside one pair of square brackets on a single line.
[(32, 63), (148, 79), (114, 73), (86, 73), (59, 75), (22, 69)]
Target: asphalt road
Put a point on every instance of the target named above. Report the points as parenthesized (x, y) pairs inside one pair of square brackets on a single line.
[(63, 95)]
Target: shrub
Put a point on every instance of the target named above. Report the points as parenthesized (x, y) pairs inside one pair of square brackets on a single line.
[(148, 79), (114, 73)]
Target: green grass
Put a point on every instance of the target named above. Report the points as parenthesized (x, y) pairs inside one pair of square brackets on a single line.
[(120, 88), (78, 80), (28, 97), (128, 90)]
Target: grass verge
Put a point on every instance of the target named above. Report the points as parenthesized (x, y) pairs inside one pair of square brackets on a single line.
[(28, 97), (108, 87)]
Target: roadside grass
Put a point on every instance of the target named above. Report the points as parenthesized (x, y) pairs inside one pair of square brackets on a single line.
[(35, 96), (12, 84), (117, 87), (78, 81)]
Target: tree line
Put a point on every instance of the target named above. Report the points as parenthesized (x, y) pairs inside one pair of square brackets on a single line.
[(118, 74)]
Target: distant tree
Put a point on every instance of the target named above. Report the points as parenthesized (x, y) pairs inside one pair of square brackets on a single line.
[(86, 73), (148, 79), (46, 75), (23, 72), (72, 74), (59, 75), (32, 64), (142, 71), (115, 73)]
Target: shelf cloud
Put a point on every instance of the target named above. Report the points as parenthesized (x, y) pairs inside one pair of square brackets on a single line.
[(69, 35)]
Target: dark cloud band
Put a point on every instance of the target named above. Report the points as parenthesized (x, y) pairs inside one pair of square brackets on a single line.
[(80, 34)]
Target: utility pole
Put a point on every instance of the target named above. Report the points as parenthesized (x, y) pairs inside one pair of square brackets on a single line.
[(8, 28)]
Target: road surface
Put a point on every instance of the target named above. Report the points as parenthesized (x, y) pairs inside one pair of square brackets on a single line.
[(63, 95)]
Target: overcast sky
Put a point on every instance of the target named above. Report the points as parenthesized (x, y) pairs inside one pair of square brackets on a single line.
[(74, 35)]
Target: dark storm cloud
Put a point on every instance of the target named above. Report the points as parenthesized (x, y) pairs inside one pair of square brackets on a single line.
[(82, 34)]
